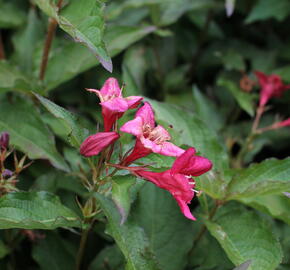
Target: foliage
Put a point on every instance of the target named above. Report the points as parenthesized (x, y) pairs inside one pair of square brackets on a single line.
[(196, 63)]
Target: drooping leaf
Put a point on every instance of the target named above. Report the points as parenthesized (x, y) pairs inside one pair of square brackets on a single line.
[(27, 131), (83, 20), (271, 176), (169, 232), (238, 229), (35, 210), (72, 59), (130, 238), (245, 100), (74, 131)]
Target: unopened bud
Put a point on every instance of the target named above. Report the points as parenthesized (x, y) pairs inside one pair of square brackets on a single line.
[(4, 140), (94, 144), (7, 174)]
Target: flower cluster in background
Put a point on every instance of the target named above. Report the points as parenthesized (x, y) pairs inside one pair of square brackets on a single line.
[(150, 138)]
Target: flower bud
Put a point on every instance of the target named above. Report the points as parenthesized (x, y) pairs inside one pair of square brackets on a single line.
[(4, 140), (94, 144)]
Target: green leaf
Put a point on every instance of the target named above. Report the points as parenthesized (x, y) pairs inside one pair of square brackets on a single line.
[(192, 131), (206, 110), (277, 206), (83, 20), (12, 79), (74, 132), (25, 41), (245, 100), (243, 266), (4, 250), (266, 9), (271, 176), (28, 132), (130, 238), (244, 235), (121, 194), (53, 252), (169, 232), (10, 15), (110, 256), (72, 59), (35, 210)]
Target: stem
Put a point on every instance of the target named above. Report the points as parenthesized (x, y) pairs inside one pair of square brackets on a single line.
[(48, 41), (260, 111), (81, 250), (2, 52)]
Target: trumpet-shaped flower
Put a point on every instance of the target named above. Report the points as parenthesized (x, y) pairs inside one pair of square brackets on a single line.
[(112, 102), (94, 144), (150, 138), (177, 180), (284, 123), (271, 86)]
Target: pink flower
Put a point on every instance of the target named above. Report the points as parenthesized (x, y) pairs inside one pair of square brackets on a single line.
[(94, 144), (150, 138), (284, 123), (177, 180), (112, 102), (271, 86)]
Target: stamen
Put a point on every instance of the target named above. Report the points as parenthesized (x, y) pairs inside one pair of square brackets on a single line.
[(191, 183)]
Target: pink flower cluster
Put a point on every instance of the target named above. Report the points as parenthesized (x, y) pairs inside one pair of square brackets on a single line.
[(150, 138)]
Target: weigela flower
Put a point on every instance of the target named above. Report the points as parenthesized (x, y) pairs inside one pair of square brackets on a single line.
[(150, 138), (4, 140), (94, 144), (177, 180), (271, 86), (284, 123), (112, 102)]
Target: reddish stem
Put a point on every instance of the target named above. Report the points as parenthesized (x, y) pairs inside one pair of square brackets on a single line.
[(2, 52)]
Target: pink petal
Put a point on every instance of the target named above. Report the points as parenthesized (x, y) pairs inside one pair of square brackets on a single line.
[(183, 160), (111, 88), (116, 105), (198, 166), (133, 101), (284, 123), (134, 127), (166, 148), (184, 208), (147, 114), (94, 144)]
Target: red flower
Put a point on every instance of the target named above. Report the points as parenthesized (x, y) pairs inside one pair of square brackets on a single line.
[(150, 138), (284, 123), (94, 144), (177, 180), (271, 86), (112, 102)]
